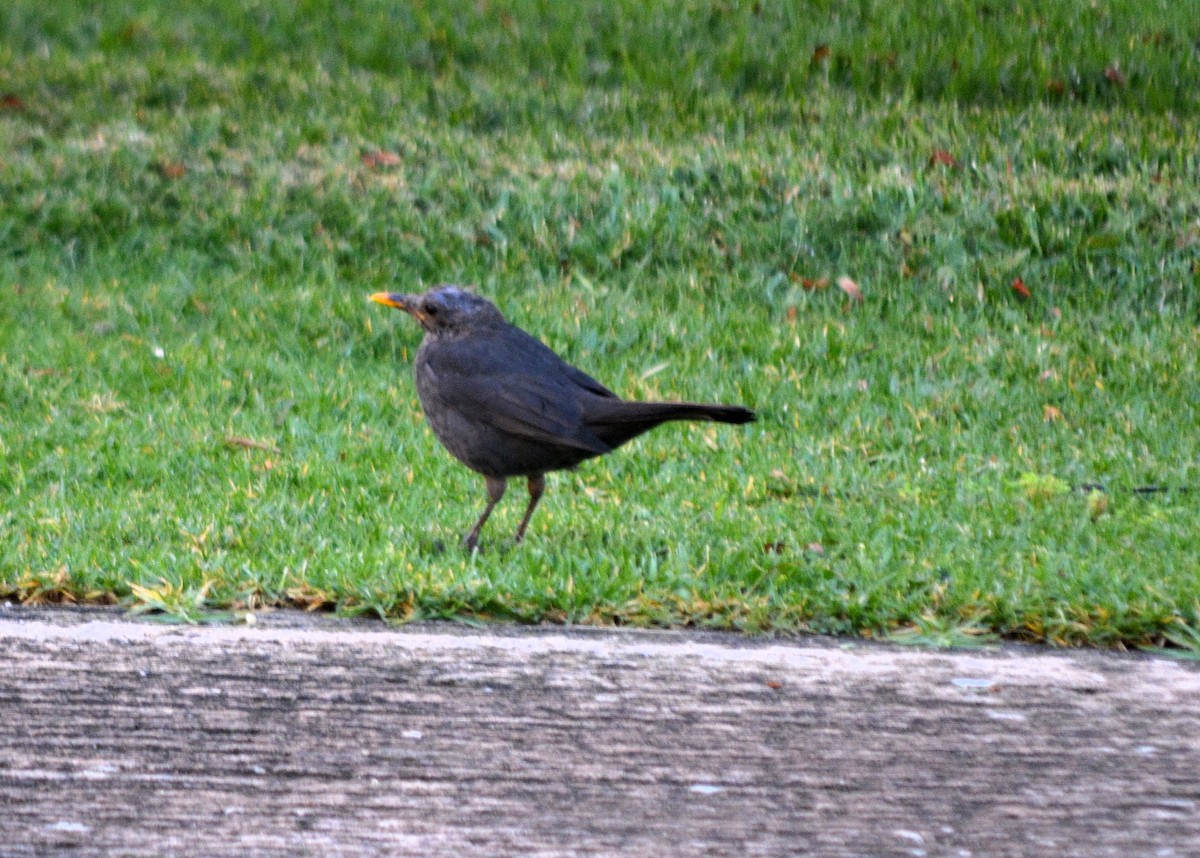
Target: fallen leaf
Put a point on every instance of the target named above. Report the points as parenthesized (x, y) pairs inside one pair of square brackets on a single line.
[(1114, 75), (172, 169), (774, 684), (380, 158), (851, 289), (773, 548), (944, 158), (1054, 86), (1050, 414), (309, 597), (820, 54), (1018, 286), (815, 548), (250, 444), (10, 101), (792, 313)]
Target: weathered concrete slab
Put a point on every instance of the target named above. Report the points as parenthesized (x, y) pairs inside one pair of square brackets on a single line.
[(308, 736)]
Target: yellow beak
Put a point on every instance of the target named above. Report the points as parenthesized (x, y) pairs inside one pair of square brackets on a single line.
[(391, 299)]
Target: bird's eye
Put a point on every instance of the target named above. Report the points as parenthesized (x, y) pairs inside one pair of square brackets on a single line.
[(431, 309)]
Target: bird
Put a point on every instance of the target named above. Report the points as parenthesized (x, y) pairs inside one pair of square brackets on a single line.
[(505, 405)]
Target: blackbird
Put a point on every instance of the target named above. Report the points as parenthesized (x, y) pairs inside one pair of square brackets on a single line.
[(505, 405)]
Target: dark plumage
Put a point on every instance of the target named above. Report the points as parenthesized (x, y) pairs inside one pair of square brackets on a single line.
[(505, 405)]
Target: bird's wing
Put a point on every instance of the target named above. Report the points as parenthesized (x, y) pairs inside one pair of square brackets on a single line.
[(534, 410), (585, 381), (525, 391), (536, 356)]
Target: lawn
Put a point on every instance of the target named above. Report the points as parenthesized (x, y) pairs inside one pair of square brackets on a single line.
[(995, 434)]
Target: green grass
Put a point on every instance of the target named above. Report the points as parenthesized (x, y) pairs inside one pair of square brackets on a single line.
[(193, 217)]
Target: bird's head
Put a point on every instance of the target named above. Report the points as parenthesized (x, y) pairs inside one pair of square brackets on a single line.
[(444, 310)]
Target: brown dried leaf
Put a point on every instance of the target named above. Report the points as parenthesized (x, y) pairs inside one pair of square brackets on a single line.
[(250, 444), (43, 371), (380, 158), (310, 598), (943, 158), (851, 289)]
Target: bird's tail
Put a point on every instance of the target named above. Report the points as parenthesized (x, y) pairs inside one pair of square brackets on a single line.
[(617, 421), (698, 411), (617, 411)]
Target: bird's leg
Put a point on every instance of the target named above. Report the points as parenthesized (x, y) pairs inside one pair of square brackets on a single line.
[(537, 486), (495, 490)]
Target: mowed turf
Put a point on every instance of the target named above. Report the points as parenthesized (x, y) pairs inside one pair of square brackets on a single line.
[(996, 433)]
